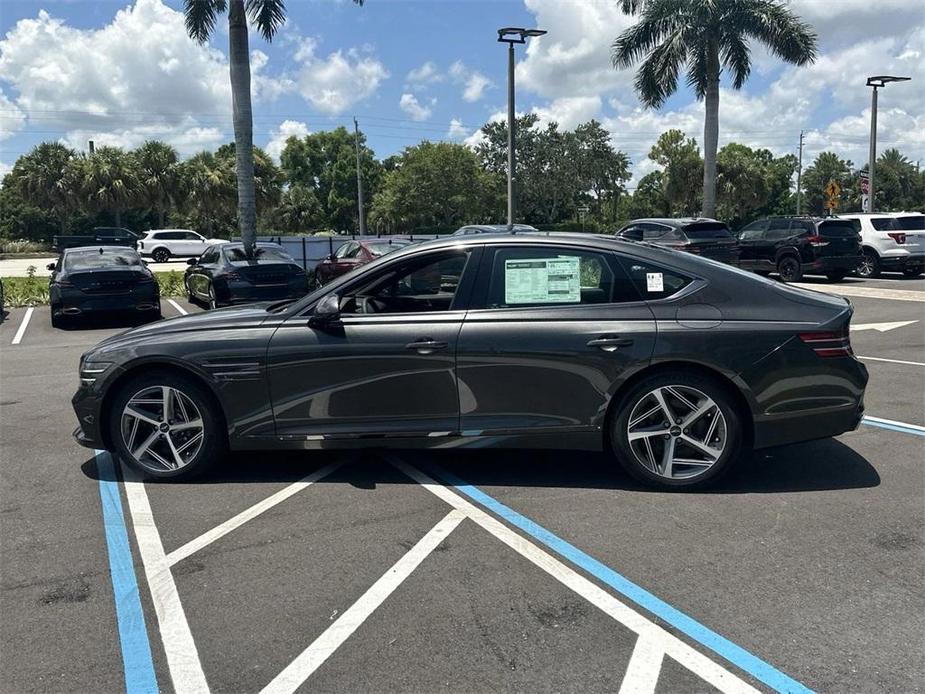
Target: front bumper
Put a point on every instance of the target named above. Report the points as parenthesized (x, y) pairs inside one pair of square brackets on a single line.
[(88, 407)]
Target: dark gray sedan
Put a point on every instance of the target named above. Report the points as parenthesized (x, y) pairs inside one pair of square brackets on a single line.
[(674, 363)]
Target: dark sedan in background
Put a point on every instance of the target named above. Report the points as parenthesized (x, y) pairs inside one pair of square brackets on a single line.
[(701, 236), (673, 364), (101, 279), (224, 275), (353, 254)]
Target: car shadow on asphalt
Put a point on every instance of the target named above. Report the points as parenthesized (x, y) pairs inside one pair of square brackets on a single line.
[(819, 465)]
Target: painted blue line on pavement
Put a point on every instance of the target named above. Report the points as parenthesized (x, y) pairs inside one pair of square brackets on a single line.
[(133, 636), (736, 655), (893, 427)]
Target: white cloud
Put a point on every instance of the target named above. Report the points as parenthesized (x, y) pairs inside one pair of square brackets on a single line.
[(139, 74), (457, 130), (4, 169), (410, 105), (424, 75), (12, 118), (474, 82), (335, 83), (279, 136), (569, 112)]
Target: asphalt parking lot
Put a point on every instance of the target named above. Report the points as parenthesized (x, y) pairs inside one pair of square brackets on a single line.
[(465, 571)]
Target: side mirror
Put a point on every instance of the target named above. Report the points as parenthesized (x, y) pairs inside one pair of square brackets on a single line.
[(327, 311), (51, 266), (193, 261)]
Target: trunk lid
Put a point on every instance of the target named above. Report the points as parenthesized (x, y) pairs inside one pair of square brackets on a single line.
[(840, 238)]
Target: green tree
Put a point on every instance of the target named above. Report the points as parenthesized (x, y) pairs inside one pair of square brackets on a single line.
[(602, 168), (648, 200), (325, 162), (210, 187), (682, 166), (744, 182), (706, 38), (433, 184), (298, 211), (825, 168), (41, 177), (268, 179), (19, 219), (896, 184), (158, 177), (107, 180)]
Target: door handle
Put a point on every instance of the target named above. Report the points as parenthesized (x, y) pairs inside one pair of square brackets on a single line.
[(426, 345), (609, 343)]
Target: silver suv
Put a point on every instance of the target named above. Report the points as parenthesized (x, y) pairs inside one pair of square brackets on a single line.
[(891, 241)]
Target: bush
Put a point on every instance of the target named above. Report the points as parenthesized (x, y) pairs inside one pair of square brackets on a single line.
[(24, 291), (170, 283), (23, 246)]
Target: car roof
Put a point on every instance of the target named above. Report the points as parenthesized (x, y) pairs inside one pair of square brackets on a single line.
[(675, 221), (240, 244), (99, 249), (495, 227), (154, 231)]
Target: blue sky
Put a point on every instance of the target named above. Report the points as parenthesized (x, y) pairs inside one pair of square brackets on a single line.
[(120, 72)]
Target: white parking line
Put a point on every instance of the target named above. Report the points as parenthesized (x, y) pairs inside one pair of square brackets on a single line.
[(893, 361), (300, 669), (644, 668), (17, 338), (696, 662), (179, 647), (183, 311), (237, 521)]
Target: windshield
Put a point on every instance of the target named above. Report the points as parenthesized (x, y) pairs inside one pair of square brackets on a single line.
[(378, 248), (262, 254), (707, 230), (94, 260), (911, 222)]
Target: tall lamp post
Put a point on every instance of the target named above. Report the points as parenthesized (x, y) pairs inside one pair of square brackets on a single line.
[(510, 36), (876, 82)]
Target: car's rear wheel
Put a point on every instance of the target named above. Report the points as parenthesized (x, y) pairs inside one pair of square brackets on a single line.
[(869, 266), (836, 275), (160, 255), (213, 301), (789, 269), (189, 293), (677, 430), (166, 426)]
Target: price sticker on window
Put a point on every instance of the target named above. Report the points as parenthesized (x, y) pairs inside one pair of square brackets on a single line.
[(655, 282), (542, 281)]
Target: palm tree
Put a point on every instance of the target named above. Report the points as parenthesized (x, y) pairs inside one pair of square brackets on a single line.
[(41, 177), (210, 182), (108, 180), (268, 16), (158, 176), (706, 37)]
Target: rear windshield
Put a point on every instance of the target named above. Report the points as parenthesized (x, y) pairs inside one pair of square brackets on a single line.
[(838, 229), (885, 224), (94, 260), (707, 230), (261, 255), (382, 247), (912, 222)]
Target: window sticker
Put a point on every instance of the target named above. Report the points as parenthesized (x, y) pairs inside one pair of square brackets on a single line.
[(542, 281), (655, 282)]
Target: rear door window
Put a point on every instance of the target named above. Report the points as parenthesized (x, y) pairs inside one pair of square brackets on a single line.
[(912, 222), (707, 230), (653, 281), (755, 230), (778, 229)]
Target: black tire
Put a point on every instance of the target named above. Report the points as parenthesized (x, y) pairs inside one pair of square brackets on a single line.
[(189, 294), (716, 391), (912, 273), (870, 266), (57, 321), (160, 255), (214, 443), (836, 275), (789, 269), (213, 300)]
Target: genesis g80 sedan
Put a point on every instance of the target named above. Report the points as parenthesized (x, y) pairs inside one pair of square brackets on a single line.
[(673, 363)]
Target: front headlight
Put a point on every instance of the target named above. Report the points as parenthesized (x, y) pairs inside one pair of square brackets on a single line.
[(91, 370)]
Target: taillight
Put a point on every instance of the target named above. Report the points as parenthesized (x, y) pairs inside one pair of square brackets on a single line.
[(829, 344), (898, 236), (817, 241), (689, 248)]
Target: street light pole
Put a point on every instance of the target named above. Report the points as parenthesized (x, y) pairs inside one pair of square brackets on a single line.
[(510, 36), (362, 217), (876, 82)]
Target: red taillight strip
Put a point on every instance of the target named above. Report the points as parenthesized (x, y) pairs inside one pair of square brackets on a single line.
[(837, 344)]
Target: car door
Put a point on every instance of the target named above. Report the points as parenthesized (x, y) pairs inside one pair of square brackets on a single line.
[(199, 275), (551, 333), (193, 243), (750, 240), (386, 367)]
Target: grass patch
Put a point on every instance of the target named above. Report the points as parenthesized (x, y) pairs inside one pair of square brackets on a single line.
[(33, 291)]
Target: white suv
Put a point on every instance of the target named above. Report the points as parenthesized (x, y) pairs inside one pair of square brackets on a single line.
[(163, 244), (891, 241)]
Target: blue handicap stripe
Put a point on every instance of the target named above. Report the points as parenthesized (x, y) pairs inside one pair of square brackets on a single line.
[(133, 636), (893, 427)]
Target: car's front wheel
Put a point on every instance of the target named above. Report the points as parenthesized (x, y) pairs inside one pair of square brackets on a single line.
[(213, 300), (789, 269), (160, 255), (166, 425), (676, 430)]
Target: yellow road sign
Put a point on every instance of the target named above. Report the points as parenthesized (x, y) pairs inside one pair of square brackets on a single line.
[(833, 190)]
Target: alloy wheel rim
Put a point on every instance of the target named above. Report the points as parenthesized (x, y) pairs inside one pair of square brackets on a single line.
[(866, 267), (677, 432), (787, 270), (162, 428)]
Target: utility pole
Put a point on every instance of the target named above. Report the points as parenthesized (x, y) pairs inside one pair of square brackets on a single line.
[(362, 216), (91, 146), (800, 177)]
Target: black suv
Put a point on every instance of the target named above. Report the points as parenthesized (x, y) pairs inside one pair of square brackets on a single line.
[(794, 246), (701, 236)]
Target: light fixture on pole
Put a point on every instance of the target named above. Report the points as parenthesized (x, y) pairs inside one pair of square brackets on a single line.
[(876, 82), (510, 36)]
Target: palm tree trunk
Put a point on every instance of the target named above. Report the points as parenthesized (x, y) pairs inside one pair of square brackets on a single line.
[(711, 132), (239, 60)]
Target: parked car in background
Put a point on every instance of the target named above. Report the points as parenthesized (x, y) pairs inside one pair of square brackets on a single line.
[(539, 341), (892, 242), (794, 246), (353, 254), (101, 280), (223, 275), (701, 236), (101, 236), (163, 244), (490, 229)]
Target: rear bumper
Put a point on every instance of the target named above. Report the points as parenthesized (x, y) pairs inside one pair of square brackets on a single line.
[(74, 302), (238, 294), (807, 426), (843, 263), (902, 262)]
